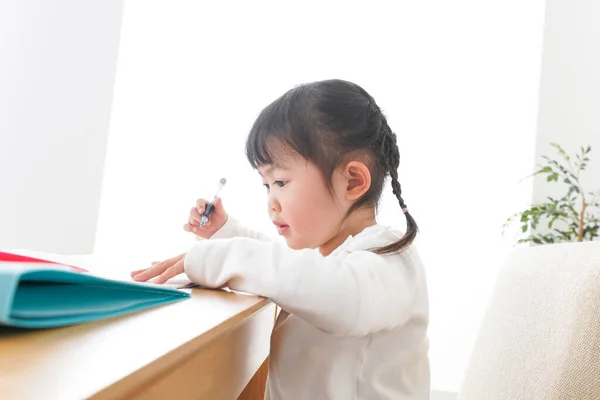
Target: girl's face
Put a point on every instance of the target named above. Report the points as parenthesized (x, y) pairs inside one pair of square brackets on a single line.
[(303, 208)]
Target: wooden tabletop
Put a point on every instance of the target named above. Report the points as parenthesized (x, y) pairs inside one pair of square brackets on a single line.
[(115, 357)]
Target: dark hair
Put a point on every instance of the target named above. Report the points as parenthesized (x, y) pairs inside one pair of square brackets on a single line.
[(328, 122)]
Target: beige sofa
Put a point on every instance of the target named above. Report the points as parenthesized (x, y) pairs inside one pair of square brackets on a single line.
[(540, 337)]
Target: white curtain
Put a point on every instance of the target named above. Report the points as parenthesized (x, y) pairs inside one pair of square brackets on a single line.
[(458, 81)]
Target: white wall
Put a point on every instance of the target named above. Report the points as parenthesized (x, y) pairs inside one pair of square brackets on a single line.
[(569, 93), (459, 81), (569, 110), (57, 67)]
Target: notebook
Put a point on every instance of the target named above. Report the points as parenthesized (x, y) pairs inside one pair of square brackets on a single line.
[(35, 293)]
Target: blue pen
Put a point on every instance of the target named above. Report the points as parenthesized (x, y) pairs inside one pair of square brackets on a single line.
[(210, 207)]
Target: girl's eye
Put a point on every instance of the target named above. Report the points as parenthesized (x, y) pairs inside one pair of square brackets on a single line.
[(276, 183)]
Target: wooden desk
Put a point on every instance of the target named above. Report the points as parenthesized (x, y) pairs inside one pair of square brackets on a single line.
[(206, 347)]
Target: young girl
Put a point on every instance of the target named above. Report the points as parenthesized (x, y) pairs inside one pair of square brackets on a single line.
[(353, 294)]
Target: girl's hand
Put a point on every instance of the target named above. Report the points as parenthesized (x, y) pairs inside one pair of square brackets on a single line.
[(216, 221), (164, 270)]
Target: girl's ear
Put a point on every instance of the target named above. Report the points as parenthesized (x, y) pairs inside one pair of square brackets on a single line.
[(358, 179)]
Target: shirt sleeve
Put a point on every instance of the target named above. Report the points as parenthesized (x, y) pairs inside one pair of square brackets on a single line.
[(359, 294), (234, 228)]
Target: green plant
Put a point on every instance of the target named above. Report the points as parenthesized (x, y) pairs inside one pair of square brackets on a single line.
[(573, 217)]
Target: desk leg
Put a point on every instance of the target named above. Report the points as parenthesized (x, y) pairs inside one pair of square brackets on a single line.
[(255, 389)]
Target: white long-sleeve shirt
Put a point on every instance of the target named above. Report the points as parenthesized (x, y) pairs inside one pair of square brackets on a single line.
[(353, 324)]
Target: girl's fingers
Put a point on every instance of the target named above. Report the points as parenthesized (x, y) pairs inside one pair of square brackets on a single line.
[(170, 273), (149, 273), (218, 203), (139, 271), (198, 231), (195, 216), (156, 269), (201, 231), (219, 209), (201, 205)]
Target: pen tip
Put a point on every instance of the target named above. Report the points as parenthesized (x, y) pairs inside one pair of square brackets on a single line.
[(223, 181)]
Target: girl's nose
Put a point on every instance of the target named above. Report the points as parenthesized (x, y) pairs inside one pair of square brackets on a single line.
[(273, 204)]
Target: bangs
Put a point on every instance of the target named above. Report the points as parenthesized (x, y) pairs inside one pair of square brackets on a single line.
[(283, 127)]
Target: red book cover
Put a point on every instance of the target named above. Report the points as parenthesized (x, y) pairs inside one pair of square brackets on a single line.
[(16, 258)]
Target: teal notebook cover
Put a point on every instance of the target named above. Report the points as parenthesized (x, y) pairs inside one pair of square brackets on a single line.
[(41, 297)]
